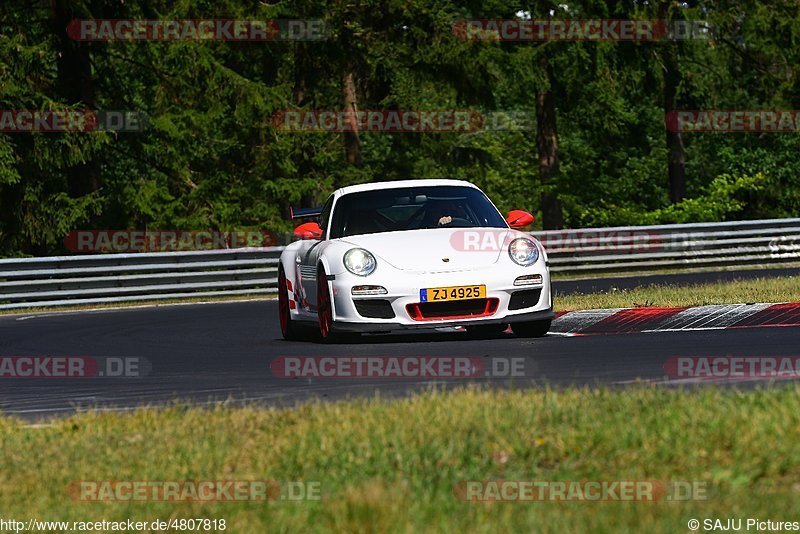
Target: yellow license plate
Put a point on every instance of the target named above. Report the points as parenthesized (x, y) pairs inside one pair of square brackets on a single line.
[(438, 294)]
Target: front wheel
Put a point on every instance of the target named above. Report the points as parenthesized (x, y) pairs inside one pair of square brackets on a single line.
[(325, 313), (531, 328)]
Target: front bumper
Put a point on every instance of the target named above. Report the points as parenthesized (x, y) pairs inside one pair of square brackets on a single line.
[(403, 289), (542, 315)]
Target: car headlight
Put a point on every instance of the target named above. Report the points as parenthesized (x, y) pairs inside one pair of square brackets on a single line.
[(523, 251), (359, 262)]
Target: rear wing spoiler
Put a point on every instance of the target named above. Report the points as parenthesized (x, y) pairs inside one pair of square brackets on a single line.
[(304, 213)]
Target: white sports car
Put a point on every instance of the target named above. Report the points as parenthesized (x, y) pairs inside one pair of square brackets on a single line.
[(413, 254)]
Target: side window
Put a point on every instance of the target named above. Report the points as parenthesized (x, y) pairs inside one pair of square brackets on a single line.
[(325, 216)]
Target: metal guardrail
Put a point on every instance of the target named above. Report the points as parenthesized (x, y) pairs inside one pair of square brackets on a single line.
[(117, 278), (673, 247)]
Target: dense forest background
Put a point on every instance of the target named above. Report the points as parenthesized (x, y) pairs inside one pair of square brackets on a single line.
[(598, 153)]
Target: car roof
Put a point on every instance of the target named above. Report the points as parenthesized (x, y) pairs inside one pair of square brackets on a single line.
[(374, 186)]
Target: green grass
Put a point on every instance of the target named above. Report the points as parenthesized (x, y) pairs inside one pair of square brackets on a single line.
[(785, 289), (390, 466)]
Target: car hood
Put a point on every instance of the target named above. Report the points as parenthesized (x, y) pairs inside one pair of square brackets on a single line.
[(438, 249)]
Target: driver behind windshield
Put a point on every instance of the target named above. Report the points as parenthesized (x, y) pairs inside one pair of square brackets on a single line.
[(441, 212)]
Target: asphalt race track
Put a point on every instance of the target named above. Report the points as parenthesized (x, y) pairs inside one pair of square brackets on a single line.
[(223, 352)]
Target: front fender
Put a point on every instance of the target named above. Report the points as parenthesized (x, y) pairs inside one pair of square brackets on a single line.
[(332, 257)]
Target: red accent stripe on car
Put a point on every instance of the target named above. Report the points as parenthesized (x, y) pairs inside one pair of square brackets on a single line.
[(434, 311)]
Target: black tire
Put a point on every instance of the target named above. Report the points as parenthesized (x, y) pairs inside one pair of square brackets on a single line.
[(290, 330), (481, 331), (532, 328)]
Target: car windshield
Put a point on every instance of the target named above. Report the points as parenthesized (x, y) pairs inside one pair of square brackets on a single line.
[(413, 208)]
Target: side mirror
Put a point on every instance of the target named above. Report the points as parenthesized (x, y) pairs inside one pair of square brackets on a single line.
[(519, 218), (309, 230)]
